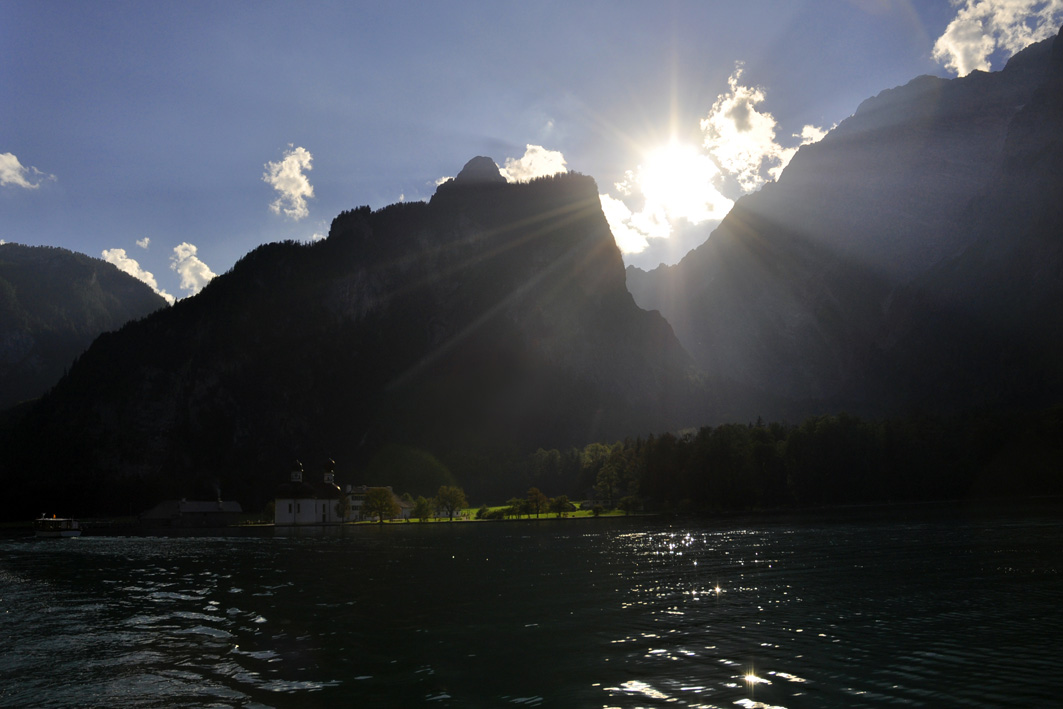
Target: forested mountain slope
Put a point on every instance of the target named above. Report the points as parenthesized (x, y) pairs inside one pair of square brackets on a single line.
[(53, 304), (482, 325)]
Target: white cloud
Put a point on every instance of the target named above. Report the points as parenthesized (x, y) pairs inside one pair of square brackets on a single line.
[(680, 184), (741, 138), (812, 134), (982, 27), (809, 134), (320, 232), (119, 258), (13, 172), (194, 273), (287, 178), (143, 243), (537, 161), (676, 182), (629, 239)]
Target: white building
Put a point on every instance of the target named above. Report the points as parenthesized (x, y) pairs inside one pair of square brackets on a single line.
[(357, 494), (302, 502)]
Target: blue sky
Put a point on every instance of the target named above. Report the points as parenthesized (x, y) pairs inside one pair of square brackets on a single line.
[(175, 137)]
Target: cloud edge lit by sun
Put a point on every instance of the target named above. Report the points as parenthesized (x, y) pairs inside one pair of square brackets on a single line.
[(677, 183), (983, 27)]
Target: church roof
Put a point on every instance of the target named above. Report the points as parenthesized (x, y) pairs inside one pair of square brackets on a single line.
[(305, 490)]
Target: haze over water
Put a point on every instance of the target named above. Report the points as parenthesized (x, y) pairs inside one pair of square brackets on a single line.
[(927, 607)]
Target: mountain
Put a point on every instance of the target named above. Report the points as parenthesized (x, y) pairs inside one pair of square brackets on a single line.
[(459, 333), (908, 261), (911, 261), (53, 304), (995, 306)]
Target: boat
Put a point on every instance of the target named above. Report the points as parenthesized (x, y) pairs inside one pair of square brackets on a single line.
[(54, 526)]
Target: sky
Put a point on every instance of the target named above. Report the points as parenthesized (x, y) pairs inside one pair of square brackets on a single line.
[(173, 138)]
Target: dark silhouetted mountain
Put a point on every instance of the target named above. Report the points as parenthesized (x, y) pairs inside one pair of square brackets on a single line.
[(909, 260), (53, 304), (985, 328), (480, 326), (480, 170)]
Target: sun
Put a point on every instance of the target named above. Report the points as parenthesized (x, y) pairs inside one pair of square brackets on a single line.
[(673, 186), (680, 180)]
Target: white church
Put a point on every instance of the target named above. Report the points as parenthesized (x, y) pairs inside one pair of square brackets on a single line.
[(302, 502)]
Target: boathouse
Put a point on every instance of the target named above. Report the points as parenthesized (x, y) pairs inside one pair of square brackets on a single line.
[(192, 513)]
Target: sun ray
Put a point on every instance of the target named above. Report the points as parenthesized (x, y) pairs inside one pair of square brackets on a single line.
[(680, 181)]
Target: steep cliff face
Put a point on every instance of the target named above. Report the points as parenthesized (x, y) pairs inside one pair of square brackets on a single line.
[(804, 295), (486, 323), (53, 304), (985, 327)]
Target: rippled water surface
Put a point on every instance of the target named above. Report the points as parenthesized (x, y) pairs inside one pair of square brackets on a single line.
[(919, 608)]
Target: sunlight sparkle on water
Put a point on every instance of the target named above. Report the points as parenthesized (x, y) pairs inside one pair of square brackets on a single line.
[(637, 687), (750, 704)]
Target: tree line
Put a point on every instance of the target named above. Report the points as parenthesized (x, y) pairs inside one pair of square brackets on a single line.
[(380, 502), (823, 461)]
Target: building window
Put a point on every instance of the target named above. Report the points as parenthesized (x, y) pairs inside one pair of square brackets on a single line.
[(289, 508), (297, 508)]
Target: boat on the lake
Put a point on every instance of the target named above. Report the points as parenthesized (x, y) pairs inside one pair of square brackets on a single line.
[(54, 526)]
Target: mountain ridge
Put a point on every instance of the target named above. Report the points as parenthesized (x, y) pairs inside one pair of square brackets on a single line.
[(479, 326), (794, 295), (908, 262), (53, 304)]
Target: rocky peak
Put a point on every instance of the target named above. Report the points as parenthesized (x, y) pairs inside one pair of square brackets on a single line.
[(480, 170)]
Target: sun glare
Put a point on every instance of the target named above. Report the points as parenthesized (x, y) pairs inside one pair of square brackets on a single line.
[(679, 179)]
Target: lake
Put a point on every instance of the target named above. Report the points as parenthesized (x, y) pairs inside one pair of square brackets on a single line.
[(941, 606)]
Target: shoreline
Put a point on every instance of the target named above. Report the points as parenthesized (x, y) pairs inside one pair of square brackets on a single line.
[(129, 526)]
